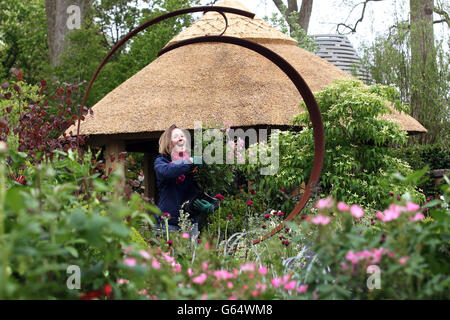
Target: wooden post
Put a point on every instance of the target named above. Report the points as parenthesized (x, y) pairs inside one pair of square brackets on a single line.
[(149, 176), (113, 149)]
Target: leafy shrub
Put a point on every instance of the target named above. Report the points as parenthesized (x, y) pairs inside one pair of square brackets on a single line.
[(46, 225), (435, 156), (359, 159)]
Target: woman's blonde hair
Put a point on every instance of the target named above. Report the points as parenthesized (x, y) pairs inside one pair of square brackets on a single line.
[(165, 141)]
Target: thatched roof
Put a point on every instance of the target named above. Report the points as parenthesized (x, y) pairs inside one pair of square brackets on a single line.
[(234, 84)]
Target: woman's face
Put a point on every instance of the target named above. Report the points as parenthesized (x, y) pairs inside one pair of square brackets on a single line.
[(178, 141)]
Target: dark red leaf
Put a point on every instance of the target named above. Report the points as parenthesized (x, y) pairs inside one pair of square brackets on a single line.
[(7, 95)]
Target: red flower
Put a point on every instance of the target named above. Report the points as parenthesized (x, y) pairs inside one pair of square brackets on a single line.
[(219, 197), (170, 242), (286, 243), (287, 229), (280, 214), (252, 191), (263, 226), (236, 197), (249, 202), (107, 290), (230, 217), (20, 179), (166, 215), (96, 294), (267, 216), (282, 190)]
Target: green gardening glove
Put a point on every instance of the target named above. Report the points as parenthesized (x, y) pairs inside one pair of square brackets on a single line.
[(203, 206)]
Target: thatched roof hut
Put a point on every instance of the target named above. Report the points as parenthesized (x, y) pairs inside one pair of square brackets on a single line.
[(198, 81)]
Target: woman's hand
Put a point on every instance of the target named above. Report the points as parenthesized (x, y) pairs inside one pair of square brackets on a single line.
[(203, 206)]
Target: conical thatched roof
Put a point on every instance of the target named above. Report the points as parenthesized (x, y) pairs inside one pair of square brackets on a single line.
[(232, 83)]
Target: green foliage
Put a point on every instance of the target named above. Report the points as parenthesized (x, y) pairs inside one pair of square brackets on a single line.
[(413, 256), (388, 59), (359, 158), (23, 38), (434, 156), (47, 225), (87, 47), (218, 176)]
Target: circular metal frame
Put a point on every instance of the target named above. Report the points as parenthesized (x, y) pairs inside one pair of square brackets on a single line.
[(286, 67)]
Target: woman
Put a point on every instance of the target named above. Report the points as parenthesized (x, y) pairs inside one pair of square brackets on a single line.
[(175, 178)]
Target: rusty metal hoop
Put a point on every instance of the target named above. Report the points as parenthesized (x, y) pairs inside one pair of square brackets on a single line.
[(280, 62)]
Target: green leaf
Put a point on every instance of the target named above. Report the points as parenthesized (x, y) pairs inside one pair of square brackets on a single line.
[(72, 251)]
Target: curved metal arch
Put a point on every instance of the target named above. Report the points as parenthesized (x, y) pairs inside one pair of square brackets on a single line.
[(286, 67), (308, 98)]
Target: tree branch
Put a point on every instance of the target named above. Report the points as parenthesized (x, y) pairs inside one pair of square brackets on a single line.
[(353, 29), (444, 14)]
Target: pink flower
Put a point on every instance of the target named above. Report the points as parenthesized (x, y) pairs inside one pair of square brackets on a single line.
[(177, 268), (185, 235), (411, 206), (204, 266), (352, 257), (267, 216), (290, 285), (204, 296), (262, 270), (248, 267), (144, 254), (223, 274), (356, 211), (122, 281), (324, 203), (200, 279), (276, 282), (143, 291), (254, 293), (302, 288), (342, 206), (189, 272), (403, 260), (320, 219), (131, 262), (379, 216), (230, 284), (249, 202), (419, 216), (156, 264)]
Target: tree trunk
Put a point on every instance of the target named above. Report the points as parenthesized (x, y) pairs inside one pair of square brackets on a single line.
[(303, 16), (60, 22), (423, 66)]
